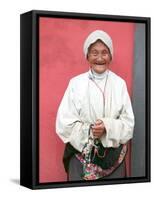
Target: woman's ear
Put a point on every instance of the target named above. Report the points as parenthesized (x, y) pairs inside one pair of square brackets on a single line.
[(110, 57), (87, 56)]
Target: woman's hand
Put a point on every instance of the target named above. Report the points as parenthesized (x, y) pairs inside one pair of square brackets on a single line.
[(98, 129)]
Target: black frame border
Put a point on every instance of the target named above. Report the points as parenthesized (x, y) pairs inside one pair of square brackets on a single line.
[(29, 97)]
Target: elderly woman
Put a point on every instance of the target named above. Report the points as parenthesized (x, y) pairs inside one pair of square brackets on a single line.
[(95, 117)]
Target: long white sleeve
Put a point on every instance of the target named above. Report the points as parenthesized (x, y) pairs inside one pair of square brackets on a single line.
[(69, 126), (120, 130)]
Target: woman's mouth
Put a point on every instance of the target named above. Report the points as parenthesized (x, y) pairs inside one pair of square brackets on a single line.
[(100, 63)]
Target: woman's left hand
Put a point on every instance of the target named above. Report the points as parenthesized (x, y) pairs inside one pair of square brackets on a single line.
[(98, 129)]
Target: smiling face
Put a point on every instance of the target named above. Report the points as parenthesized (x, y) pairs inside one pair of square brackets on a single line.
[(99, 57)]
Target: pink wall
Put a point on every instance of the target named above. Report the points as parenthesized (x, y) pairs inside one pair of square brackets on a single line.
[(61, 58)]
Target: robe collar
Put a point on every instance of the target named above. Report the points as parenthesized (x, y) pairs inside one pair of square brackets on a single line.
[(96, 76)]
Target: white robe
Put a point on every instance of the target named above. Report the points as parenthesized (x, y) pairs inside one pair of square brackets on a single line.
[(82, 105)]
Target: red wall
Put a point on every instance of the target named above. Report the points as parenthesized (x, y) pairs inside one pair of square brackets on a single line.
[(61, 57)]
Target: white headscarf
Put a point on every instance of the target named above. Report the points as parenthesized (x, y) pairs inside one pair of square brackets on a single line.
[(94, 36)]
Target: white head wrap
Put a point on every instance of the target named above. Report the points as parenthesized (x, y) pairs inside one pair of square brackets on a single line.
[(94, 36)]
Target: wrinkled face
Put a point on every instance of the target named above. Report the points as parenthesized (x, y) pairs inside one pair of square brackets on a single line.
[(99, 57)]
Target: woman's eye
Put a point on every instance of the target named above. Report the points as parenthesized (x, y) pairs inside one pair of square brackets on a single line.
[(105, 52), (94, 53)]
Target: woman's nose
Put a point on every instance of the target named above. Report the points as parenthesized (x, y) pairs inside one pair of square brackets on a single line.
[(100, 57)]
